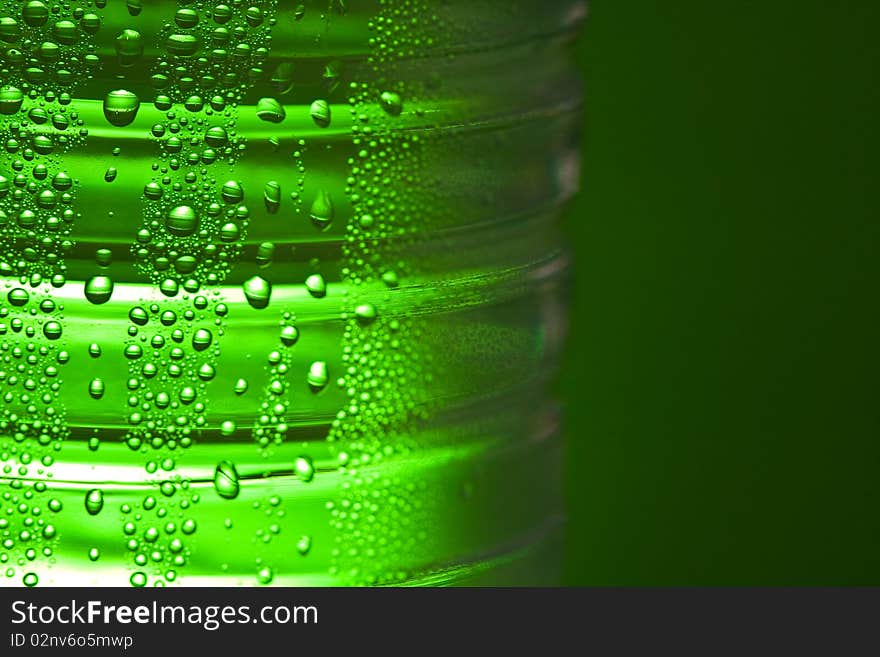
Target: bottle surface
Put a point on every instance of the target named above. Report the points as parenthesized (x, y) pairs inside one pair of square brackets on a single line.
[(283, 290)]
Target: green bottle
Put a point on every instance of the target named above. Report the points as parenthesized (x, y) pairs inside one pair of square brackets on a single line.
[(283, 290)]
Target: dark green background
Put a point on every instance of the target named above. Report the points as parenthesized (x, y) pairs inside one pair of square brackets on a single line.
[(722, 374)]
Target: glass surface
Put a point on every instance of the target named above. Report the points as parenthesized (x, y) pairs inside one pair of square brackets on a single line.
[(283, 290)]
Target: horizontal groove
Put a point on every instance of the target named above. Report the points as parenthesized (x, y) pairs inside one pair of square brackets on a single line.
[(200, 474), (501, 283), (330, 245), (301, 126), (564, 33), (454, 571)]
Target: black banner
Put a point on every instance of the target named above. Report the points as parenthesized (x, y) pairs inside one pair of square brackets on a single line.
[(611, 621)]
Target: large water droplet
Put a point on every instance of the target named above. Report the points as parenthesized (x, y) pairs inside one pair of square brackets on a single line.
[(304, 468), (265, 575), (11, 99), (316, 285), (365, 313), (99, 289), (289, 335), (269, 109), (216, 136), (186, 18), (52, 330), (129, 47), (94, 501), (322, 212), (182, 221), (272, 196), (138, 315), (35, 13), (317, 377), (391, 103), (202, 339), (226, 480), (320, 113), (18, 296), (257, 291), (182, 45), (121, 107), (232, 192), (96, 388), (282, 78)]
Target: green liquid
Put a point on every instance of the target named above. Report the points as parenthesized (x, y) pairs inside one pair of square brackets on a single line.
[(283, 291)]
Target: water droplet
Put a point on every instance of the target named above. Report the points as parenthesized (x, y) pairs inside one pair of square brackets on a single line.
[(153, 191), (391, 103), (138, 315), (187, 395), (182, 45), (65, 31), (138, 579), (257, 291), (94, 554), (272, 196), (317, 377), (202, 339), (303, 545), (186, 18), (216, 136), (227, 428), (11, 99), (322, 212), (304, 468), (316, 285), (30, 579), (330, 78), (99, 289), (129, 47), (182, 221), (365, 313), (18, 296), (289, 335), (269, 109), (282, 78), (121, 107), (52, 330), (265, 575), (35, 13), (226, 480), (240, 387), (265, 254), (169, 287), (206, 372), (94, 501), (320, 113), (96, 388), (229, 232), (232, 192)]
